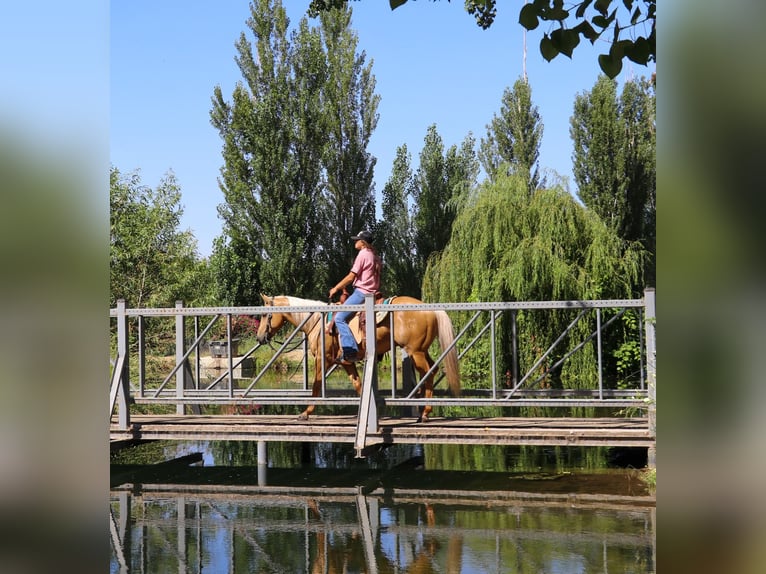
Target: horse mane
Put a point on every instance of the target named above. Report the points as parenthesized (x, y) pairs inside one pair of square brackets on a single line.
[(298, 302), (299, 316)]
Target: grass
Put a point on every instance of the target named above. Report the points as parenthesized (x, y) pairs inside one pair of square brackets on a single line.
[(649, 476)]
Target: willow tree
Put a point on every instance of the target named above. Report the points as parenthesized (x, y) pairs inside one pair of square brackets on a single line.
[(509, 246)]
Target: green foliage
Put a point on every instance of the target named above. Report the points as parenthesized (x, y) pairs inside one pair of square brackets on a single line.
[(349, 107), (297, 179), (151, 262), (396, 228), (272, 150), (440, 182), (629, 25), (514, 136), (625, 19), (234, 273), (628, 353), (614, 160), (509, 246)]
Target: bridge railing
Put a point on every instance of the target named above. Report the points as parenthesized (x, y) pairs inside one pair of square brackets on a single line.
[(191, 377)]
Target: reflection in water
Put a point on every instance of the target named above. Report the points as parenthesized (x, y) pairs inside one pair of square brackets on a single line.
[(328, 530), (317, 510)]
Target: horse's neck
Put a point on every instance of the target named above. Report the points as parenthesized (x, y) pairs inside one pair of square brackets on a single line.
[(309, 326), (297, 318)]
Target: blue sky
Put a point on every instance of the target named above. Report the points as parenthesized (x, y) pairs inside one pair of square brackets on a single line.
[(432, 63)]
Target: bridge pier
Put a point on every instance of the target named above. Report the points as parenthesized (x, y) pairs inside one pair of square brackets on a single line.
[(263, 462)]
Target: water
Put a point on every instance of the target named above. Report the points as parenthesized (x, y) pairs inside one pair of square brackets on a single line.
[(316, 509)]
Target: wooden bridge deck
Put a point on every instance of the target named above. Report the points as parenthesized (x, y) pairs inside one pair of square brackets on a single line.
[(600, 431)]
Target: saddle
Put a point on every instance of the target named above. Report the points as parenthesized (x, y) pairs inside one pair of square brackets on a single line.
[(358, 323)]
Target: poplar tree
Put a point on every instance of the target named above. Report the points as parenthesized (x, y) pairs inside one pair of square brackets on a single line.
[(350, 116), (297, 179), (271, 131), (514, 136), (397, 248), (440, 180), (614, 162)]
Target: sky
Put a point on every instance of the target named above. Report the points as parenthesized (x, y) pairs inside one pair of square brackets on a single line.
[(432, 65)]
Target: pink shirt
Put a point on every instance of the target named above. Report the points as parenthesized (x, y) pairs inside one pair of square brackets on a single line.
[(364, 268)]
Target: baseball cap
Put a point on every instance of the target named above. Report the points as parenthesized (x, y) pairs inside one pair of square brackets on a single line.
[(364, 235)]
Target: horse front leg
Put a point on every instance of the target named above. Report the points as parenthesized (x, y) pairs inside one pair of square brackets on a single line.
[(423, 362), (316, 388)]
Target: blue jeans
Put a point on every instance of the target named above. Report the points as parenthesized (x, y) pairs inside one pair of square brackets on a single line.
[(347, 341)]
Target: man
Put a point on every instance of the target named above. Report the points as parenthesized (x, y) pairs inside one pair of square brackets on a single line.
[(365, 278)]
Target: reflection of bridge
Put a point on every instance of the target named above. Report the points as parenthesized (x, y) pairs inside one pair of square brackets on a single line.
[(388, 531), (184, 385)]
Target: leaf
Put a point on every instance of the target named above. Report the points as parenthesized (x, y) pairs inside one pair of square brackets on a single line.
[(610, 64), (548, 49), (557, 13), (602, 6), (600, 21), (582, 8), (636, 15), (528, 17), (639, 51), (587, 30), (396, 3), (565, 41)]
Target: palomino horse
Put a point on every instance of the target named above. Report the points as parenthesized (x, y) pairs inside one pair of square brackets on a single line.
[(414, 331)]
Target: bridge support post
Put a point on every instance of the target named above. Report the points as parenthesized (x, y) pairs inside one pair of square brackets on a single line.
[(651, 369), (262, 462), (120, 391), (184, 377), (181, 374), (367, 419)]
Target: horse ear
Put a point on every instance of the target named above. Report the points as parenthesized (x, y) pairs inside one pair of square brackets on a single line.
[(265, 298)]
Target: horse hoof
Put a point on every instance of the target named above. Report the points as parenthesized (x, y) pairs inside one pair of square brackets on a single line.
[(303, 417), (422, 419)]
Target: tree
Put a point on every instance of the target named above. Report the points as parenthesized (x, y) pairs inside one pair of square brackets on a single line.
[(271, 165), (514, 137), (439, 181), (350, 116), (508, 246), (396, 231), (630, 24), (614, 161), (234, 269), (297, 179), (152, 263)]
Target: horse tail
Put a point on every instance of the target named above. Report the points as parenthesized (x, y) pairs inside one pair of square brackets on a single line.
[(446, 337)]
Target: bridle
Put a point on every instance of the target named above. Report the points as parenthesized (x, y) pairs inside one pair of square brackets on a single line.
[(269, 328)]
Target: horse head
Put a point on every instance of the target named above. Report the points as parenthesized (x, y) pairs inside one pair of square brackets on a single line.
[(270, 323)]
